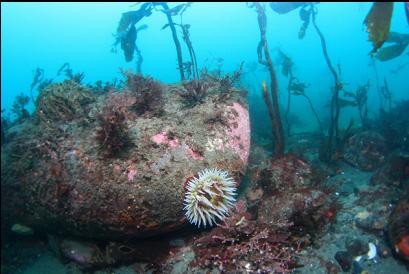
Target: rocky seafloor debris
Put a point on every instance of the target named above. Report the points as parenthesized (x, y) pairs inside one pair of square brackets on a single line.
[(350, 227), (100, 180)]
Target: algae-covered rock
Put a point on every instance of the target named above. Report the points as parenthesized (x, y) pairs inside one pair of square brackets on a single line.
[(366, 150), (284, 196), (63, 102), (59, 178)]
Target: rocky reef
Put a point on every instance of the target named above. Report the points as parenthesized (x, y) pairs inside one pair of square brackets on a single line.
[(113, 165)]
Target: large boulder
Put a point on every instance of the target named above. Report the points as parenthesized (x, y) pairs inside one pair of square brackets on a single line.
[(395, 171), (366, 150), (119, 169)]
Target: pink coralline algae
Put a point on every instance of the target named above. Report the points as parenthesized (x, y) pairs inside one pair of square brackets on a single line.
[(131, 173), (162, 138), (239, 132), (195, 155)]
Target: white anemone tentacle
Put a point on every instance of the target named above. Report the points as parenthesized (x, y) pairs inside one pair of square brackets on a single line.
[(209, 196)]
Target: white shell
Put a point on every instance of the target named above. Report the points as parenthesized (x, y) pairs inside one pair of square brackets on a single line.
[(372, 251), (358, 258)]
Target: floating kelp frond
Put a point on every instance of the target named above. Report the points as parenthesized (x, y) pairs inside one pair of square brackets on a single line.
[(126, 21), (285, 62), (305, 16), (343, 103), (401, 42), (297, 87), (390, 52), (128, 43), (378, 23), (407, 11), (360, 98), (141, 27), (285, 7), (346, 103), (177, 10), (396, 37), (132, 17)]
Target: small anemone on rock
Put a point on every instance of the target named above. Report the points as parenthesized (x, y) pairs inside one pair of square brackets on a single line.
[(209, 196)]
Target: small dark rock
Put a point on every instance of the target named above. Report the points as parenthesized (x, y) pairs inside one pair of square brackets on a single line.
[(344, 259), (356, 247), (356, 268), (384, 251)]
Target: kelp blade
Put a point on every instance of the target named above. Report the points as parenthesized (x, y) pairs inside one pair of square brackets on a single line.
[(285, 7), (378, 23), (390, 52), (396, 37)]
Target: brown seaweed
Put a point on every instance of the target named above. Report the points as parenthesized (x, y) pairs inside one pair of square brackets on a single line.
[(128, 43), (396, 37), (166, 9), (305, 16), (297, 88), (112, 135), (38, 77), (390, 52), (194, 92), (190, 66), (177, 10), (360, 98), (19, 107), (285, 7), (147, 93), (407, 11), (127, 32), (333, 131), (378, 23), (130, 18), (286, 63), (272, 104)]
